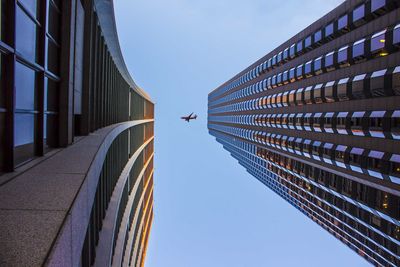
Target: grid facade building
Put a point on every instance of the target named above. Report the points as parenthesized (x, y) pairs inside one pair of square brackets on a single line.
[(76, 139), (317, 120)]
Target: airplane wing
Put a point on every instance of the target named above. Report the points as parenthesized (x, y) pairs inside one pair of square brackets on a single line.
[(190, 115)]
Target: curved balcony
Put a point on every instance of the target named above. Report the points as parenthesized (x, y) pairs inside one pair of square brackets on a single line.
[(52, 212)]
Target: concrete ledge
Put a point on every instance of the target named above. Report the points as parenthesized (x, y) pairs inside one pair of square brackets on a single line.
[(44, 211)]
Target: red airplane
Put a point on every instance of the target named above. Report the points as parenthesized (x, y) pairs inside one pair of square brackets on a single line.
[(190, 117)]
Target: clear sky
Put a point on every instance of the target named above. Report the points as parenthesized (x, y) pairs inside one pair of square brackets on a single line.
[(208, 210)]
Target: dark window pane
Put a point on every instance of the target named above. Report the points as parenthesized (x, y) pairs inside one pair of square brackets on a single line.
[(3, 19), (329, 30), (24, 87), (51, 95), (378, 41), (26, 34), (358, 48), (376, 4), (52, 57), (54, 23), (358, 13), (342, 22), (2, 83)]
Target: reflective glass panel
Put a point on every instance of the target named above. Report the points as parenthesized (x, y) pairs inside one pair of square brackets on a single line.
[(329, 60), (358, 13), (396, 35), (358, 48), (24, 87), (317, 36), (342, 22), (30, 5), (329, 29), (299, 46), (26, 35), (378, 41), (307, 67), (24, 129), (342, 55), (376, 4), (317, 64), (307, 41)]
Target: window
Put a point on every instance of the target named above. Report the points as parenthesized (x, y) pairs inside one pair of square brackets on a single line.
[(342, 90), (26, 35), (317, 122), (317, 36), (292, 51), (279, 78), (342, 23), (308, 69), (376, 124), (292, 74), (327, 152), (285, 99), (358, 49), (307, 121), (299, 47), (378, 43), (299, 71), (356, 123), (285, 76), (307, 42), (341, 122), (329, 30), (329, 61), (328, 92), (279, 58), (377, 4), (396, 35), (279, 100), (358, 86), (273, 81), (395, 124), (394, 169), (299, 96), (328, 122), (292, 97), (343, 56), (377, 83), (307, 95), (274, 60), (318, 65), (355, 158), (358, 14), (340, 154), (317, 93), (285, 54)]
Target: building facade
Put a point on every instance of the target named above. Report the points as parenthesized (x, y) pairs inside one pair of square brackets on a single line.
[(317, 120), (76, 139)]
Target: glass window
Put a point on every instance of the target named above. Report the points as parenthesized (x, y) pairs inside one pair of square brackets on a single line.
[(3, 19), (329, 60), (279, 58), (317, 36), (396, 35), (307, 42), (285, 53), (299, 96), (285, 76), (291, 74), (342, 22), (274, 60), (307, 68), (26, 35), (299, 71), (279, 78), (317, 64), (30, 5), (292, 97), (342, 89), (24, 87), (377, 83), (358, 49), (54, 22), (299, 46), (24, 129), (329, 30), (357, 88), (292, 50), (342, 54), (307, 95), (358, 13), (53, 57), (378, 41), (317, 92), (377, 4), (328, 92)]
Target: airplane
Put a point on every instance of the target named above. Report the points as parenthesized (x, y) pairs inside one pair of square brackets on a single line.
[(190, 117)]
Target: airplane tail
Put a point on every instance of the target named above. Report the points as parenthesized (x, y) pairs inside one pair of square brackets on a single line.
[(195, 117)]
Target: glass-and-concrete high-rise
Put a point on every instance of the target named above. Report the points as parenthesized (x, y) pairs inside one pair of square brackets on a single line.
[(76, 139), (317, 120)]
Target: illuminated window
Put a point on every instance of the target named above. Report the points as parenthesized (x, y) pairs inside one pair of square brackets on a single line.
[(378, 43)]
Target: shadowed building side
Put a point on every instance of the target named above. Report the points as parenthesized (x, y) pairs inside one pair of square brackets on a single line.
[(76, 139), (317, 120)]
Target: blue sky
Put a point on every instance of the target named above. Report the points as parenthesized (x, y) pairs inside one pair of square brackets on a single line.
[(208, 210)]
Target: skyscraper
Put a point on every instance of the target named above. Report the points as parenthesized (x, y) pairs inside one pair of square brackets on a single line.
[(76, 139), (317, 120)]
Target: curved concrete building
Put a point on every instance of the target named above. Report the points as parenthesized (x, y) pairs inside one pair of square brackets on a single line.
[(76, 139)]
